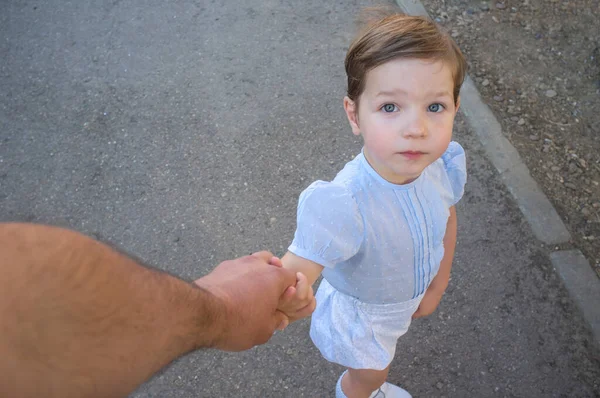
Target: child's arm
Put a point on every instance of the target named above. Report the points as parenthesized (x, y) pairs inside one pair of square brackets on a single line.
[(299, 302), (435, 291), (309, 268)]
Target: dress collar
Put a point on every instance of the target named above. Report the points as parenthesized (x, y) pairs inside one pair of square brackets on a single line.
[(365, 163)]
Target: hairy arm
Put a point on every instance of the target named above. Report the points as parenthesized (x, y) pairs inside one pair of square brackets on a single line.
[(438, 285), (79, 319)]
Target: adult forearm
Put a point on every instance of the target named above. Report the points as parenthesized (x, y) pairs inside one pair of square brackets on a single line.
[(80, 319)]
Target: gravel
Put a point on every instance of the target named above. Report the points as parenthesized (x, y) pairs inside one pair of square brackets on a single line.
[(537, 65)]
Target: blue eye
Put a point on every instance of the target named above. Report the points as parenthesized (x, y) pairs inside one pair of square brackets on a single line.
[(389, 108), (435, 108)]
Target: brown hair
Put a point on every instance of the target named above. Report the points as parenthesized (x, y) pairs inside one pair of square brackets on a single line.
[(393, 36)]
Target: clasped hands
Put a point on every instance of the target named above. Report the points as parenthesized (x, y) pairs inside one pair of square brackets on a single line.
[(255, 296)]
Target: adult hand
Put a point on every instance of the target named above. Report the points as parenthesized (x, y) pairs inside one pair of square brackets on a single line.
[(249, 290)]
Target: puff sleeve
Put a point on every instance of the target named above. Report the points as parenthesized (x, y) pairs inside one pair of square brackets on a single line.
[(329, 224), (456, 169)]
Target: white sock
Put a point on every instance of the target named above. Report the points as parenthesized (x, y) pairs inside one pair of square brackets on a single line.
[(339, 393)]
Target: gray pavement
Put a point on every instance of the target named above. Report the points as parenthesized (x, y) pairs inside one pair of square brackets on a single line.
[(183, 132)]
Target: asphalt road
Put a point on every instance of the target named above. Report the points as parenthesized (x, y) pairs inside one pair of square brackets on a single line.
[(184, 131)]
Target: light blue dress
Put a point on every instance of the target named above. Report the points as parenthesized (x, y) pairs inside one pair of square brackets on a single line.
[(381, 245)]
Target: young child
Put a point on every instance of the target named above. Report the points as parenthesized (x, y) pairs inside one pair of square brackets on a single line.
[(383, 232)]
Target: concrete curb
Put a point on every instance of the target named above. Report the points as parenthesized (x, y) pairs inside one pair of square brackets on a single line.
[(545, 222), (573, 268), (577, 273)]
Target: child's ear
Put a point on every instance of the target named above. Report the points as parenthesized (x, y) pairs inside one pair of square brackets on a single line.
[(352, 114), (457, 105)]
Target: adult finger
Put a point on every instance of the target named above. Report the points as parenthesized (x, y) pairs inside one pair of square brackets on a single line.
[(263, 255), (284, 324), (276, 261), (286, 278), (281, 320), (289, 293)]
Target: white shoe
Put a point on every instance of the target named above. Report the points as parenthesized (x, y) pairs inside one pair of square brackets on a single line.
[(388, 390)]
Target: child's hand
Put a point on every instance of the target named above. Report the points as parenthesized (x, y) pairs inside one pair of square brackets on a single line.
[(298, 301), (429, 303)]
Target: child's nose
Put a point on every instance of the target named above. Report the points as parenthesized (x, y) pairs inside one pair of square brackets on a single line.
[(416, 127)]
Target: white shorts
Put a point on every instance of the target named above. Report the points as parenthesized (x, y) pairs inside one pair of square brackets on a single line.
[(356, 334)]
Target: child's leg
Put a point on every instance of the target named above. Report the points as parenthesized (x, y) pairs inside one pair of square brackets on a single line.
[(360, 383)]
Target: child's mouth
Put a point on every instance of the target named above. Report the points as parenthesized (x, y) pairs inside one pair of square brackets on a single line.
[(412, 154)]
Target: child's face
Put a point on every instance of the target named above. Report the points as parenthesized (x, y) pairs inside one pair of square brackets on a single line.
[(405, 116)]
